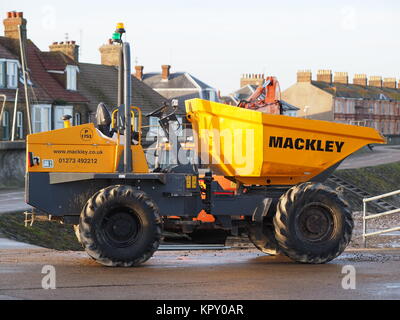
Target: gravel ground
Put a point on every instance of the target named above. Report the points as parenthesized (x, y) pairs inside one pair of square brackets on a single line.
[(390, 240)]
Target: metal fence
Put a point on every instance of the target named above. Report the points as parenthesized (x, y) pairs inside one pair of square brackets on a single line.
[(374, 216)]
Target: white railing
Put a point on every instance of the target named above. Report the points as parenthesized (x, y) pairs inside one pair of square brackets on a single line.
[(373, 216)]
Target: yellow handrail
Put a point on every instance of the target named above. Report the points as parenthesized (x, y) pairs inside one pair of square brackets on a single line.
[(139, 117)]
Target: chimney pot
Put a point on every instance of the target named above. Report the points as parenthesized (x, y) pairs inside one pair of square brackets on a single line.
[(165, 72), (324, 76), (110, 54), (360, 79), (375, 81), (139, 72), (390, 83), (341, 77), (69, 48), (304, 76), (11, 24)]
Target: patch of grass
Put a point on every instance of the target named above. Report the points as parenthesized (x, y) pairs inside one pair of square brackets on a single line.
[(47, 234), (375, 180)]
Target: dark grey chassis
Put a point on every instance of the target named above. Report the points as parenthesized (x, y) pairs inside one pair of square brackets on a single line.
[(63, 195)]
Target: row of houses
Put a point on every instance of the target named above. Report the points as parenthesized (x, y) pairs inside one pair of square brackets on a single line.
[(372, 102), (59, 84)]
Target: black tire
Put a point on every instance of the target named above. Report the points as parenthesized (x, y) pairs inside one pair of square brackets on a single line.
[(262, 235), (313, 224), (120, 227)]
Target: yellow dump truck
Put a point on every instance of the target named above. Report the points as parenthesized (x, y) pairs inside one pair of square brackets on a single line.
[(95, 176)]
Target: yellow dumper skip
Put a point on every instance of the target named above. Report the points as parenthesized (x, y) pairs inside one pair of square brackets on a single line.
[(262, 149)]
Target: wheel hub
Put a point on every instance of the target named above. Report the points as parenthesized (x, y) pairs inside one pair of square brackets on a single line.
[(121, 228), (315, 223)]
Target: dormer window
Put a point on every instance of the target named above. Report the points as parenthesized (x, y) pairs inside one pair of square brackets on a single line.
[(12, 75), (71, 72), (8, 74)]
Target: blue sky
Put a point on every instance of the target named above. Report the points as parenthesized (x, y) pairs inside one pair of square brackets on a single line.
[(219, 40)]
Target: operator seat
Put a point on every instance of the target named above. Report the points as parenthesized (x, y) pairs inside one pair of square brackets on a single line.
[(103, 120)]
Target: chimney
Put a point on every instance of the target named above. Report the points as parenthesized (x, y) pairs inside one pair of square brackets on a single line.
[(11, 23), (110, 54), (304, 76), (390, 83), (324, 76), (375, 81), (165, 72), (69, 48), (139, 72), (341, 77), (360, 79), (251, 79)]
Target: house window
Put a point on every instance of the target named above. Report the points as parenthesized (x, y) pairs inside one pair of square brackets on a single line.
[(41, 117), (77, 119), (5, 123), (205, 95), (61, 111), (3, 77), (213, 95), (12, 75), (71, 77), (20, 125)]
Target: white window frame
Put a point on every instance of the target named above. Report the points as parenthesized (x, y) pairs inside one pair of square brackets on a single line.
[(77, 119), (20, 125), (12, 74), (71, 83), (5, 124), (46, 107), (58, 122), (3, 74)]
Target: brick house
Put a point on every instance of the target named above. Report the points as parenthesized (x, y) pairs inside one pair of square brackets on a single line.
[(58, 84), (52, 83), (99, 82), (373, 102)]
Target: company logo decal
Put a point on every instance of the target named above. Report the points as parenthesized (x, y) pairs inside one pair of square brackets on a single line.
[(86, 134), (306, 144)]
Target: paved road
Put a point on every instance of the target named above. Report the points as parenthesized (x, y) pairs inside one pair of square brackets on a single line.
[(13, 201), (380, 155), (229, 274)]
